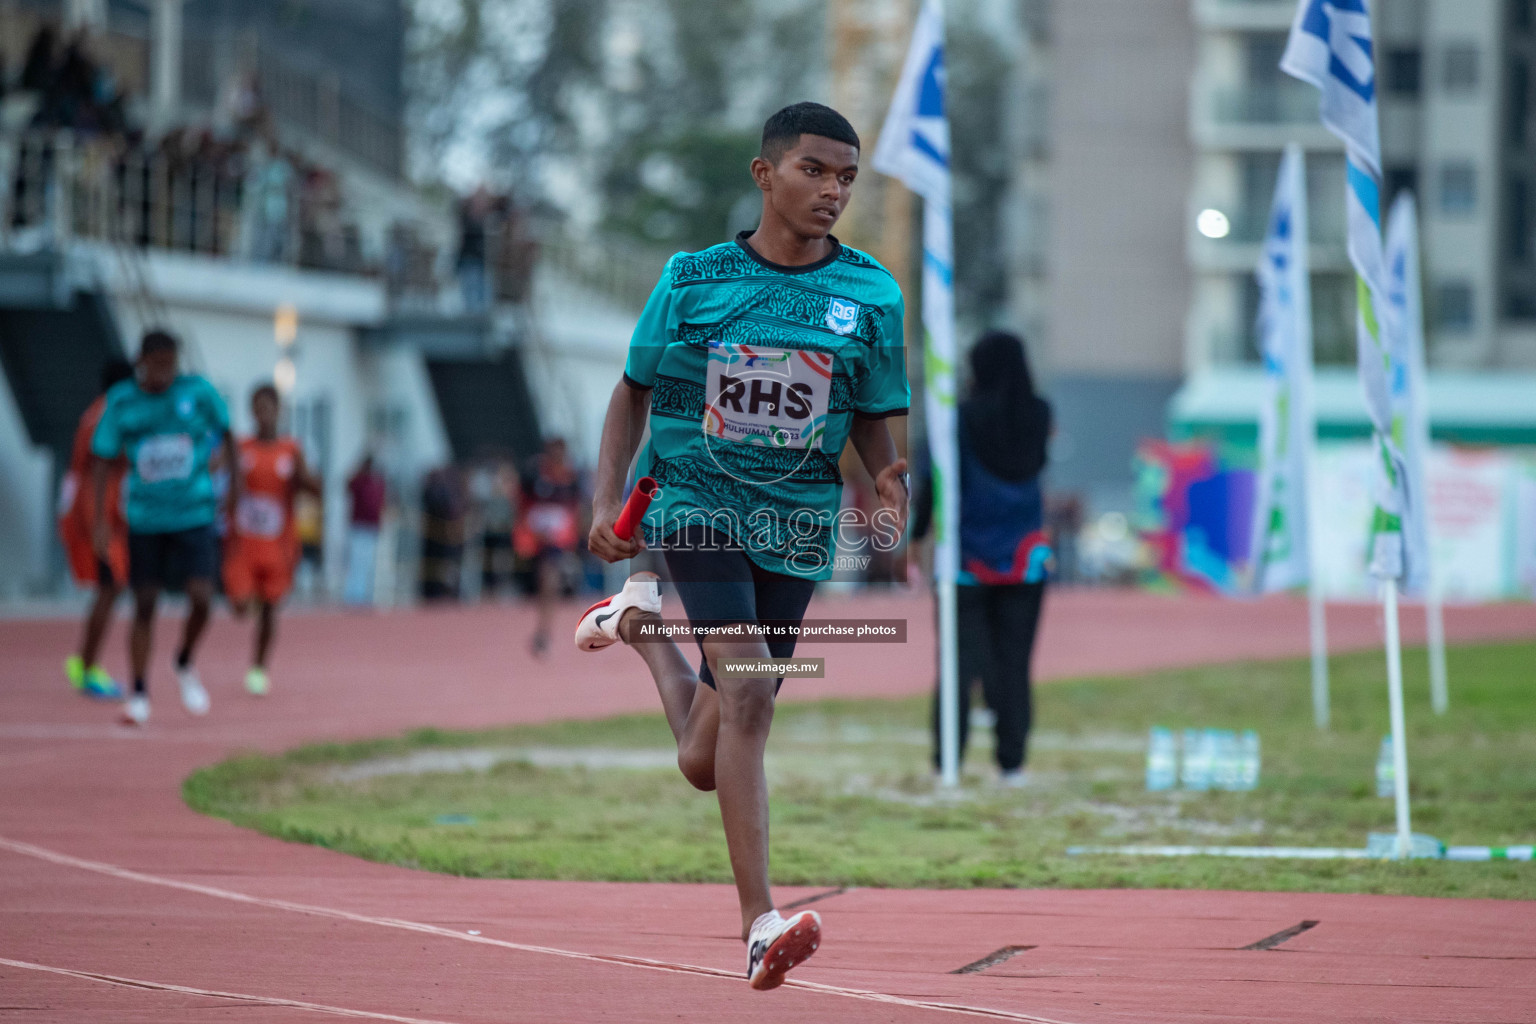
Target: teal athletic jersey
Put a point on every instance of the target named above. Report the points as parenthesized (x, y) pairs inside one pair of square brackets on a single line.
[(756, 373), (168, 439)]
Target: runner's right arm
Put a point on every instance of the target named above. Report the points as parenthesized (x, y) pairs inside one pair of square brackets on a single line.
[(106, 444), (623, 427), (101, 530)]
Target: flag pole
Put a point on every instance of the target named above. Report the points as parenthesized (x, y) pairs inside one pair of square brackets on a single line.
[(938, 314), (1418, 384), (1395, 700), (1317, 617), (1403, 234), (914, 148), (1330, 46)]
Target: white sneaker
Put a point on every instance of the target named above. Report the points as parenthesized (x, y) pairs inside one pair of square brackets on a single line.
[(599, 625), (193, 697), (775, 945), (136, 710), (1015, 779)]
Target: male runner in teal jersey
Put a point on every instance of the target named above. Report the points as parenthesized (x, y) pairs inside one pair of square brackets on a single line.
[(754, 363), (166, 423)]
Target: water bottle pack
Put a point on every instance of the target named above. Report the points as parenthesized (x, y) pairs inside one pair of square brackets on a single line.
[(1203, 759)]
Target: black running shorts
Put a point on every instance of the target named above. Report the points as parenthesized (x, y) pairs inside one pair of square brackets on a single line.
[(719, 585), (168, 560)]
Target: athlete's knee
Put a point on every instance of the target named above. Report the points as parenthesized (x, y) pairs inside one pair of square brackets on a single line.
[(698, 767), (747, 704), (144, 605)]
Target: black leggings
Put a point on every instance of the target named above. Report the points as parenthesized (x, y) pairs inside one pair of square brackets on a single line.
[(720, 585), (995, 628)]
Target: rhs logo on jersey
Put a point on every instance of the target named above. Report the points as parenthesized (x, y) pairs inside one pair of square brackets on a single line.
[(842, 316), (767, 396)]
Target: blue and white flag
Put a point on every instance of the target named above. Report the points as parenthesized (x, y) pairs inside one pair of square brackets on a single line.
[(1281, 520), (1330, 46), (914, 142), (1410, 413)]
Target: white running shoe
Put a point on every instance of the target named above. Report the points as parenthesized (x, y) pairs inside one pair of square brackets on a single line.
[(599, 626), (193, 697), (775, 945), (136, 710)]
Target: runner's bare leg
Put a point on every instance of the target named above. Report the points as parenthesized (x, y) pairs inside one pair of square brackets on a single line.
[(693, 711), (266, 629), (746, 713), (96, 623)]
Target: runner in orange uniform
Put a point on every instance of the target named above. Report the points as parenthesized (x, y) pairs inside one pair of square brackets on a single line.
[(263, 545), (77, 508)]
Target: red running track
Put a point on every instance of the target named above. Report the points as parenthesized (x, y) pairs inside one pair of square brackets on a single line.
[(118, 903)]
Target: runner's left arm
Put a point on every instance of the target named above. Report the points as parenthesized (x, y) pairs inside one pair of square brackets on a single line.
[(877, 450), (882, 392)]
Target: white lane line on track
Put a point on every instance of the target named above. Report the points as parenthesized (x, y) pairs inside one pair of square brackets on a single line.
[(112, 870), (160, 986)]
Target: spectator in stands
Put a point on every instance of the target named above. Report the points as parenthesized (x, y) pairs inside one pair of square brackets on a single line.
[(368, 492), (474, 226), (264, 212)]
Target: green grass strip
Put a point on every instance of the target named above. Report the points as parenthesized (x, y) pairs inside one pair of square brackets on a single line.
[(854, 801)]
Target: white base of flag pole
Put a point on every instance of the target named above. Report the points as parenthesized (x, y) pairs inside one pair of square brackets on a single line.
[(1434, 617), (1318, 620), (949, 687), (1399, 735)]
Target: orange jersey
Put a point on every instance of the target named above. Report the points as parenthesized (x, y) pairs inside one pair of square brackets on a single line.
[(77, 493), (268, 479)]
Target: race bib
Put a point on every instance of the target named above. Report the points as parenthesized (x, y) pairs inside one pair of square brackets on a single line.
[(164, 457), (260, 515), (767, 396)]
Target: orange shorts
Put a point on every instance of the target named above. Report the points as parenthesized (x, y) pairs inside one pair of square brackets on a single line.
[(83, 565), (257, 569)]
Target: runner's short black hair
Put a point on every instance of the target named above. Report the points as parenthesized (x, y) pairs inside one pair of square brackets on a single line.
[(784, 129), (116, 370), (265, 388), (157, 340)]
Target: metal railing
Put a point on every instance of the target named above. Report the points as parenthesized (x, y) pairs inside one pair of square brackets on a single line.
[(56, 187), (62, 187)]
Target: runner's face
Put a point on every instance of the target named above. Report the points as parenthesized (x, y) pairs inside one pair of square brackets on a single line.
[(157, 371), (812, 183), (264, 409)]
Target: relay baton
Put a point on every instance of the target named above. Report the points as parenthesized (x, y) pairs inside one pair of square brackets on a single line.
[(634, 509)]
